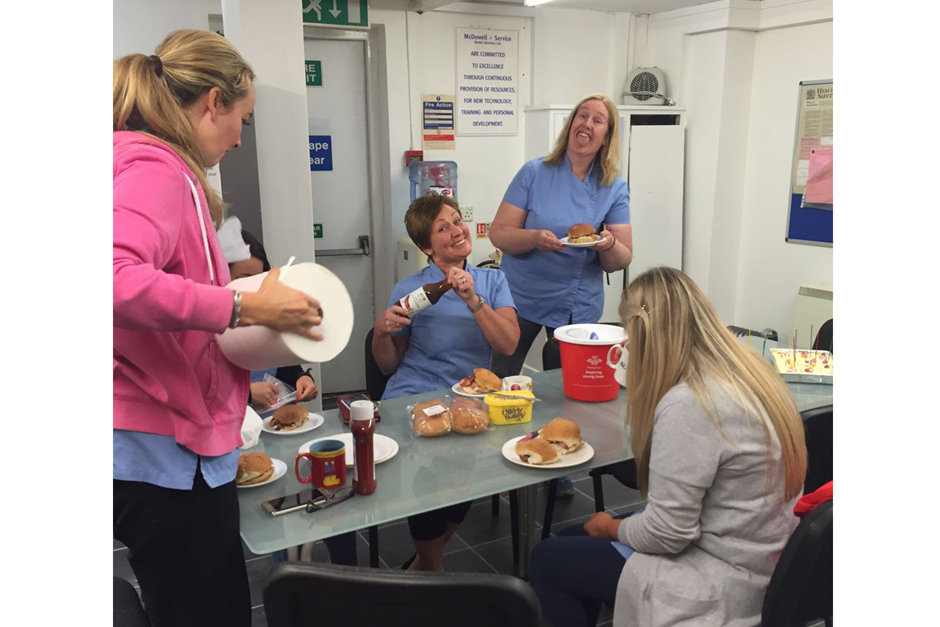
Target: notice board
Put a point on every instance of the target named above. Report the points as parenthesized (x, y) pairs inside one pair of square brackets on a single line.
[(809, 220)]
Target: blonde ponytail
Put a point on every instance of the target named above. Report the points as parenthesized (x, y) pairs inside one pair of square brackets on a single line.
[(151, 94)]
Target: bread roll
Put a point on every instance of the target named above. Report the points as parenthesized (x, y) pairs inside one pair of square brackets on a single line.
[(253, 468), (582, 234), (289, 417), (562, 434), (468, 416), (536, 451), (427, 420)]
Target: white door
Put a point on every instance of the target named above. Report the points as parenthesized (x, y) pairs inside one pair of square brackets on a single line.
[(341, 203)]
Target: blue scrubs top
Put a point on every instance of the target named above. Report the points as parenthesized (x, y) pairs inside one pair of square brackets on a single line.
[(550, 288), (445, 342)]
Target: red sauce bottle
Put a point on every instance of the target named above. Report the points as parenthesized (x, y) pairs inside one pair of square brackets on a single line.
[(362, 423)]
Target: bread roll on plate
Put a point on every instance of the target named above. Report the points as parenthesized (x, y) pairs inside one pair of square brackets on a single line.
[(536, 451)]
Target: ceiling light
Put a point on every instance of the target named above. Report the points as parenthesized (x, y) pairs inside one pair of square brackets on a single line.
[(535, 3)]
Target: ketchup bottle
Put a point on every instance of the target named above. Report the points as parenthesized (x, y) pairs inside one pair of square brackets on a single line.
[(362, 423)]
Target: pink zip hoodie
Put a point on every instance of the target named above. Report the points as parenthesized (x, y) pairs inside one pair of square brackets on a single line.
[(170, 378)]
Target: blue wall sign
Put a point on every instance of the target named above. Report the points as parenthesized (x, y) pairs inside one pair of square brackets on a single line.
[(321, 153)]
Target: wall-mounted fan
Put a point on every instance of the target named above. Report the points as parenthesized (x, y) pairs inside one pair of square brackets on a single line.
[(646, 86)]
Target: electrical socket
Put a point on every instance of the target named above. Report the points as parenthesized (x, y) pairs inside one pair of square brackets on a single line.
[(467, 212)]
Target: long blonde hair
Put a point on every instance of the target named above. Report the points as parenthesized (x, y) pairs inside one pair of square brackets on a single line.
[(151, 94), (676, 337), (608, 157)]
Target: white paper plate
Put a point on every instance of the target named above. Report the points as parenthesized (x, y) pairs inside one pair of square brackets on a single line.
[(459, 391), (313, 421), (384, 447), (280, 469), (583, 454), (564, 241)]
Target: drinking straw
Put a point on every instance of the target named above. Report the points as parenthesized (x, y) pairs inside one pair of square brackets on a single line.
[(812, 361)]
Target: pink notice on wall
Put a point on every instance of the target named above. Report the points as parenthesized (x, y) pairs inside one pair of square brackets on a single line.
[(819, 182)]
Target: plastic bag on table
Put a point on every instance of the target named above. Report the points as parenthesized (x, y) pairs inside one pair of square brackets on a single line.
[(431, 418), (469, 416), (285, 396)]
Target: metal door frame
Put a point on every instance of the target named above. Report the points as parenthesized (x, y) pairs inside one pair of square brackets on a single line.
[(377, 130)]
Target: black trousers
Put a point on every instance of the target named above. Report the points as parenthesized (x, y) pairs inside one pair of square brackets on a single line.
[(511, 365), (184, 548), (431, 525)]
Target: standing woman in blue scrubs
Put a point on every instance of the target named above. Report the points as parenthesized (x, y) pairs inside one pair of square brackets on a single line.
[(553, 285), (442, 344)]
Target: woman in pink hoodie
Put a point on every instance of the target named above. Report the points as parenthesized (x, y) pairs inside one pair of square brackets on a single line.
[(178, 403)]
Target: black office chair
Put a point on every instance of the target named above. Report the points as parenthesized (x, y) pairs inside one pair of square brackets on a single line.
[(376, 380), (128, 610), (823, 340), (817, 423), (308, 595), (800, 589)]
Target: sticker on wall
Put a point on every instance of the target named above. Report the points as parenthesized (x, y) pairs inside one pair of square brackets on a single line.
[(317, 231), (483, 229), (437, 121), (342, 13), (321, 153)]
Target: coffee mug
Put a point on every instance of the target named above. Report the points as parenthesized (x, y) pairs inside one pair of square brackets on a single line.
[(619, 365), (327, 464), (523, 383)]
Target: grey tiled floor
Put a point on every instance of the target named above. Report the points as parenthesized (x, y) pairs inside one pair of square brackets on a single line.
[(483, 543)]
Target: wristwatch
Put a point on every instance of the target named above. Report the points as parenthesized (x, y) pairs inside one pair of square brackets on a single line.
[(478, 306)]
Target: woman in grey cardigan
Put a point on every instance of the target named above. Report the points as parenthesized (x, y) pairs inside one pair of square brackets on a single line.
[(720, 456)]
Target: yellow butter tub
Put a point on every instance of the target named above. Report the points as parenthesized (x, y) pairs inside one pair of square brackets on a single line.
[(504, 410)]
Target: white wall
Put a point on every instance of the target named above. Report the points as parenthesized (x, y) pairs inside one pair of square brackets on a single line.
[(736, 65), (770, 270), (139, 25)]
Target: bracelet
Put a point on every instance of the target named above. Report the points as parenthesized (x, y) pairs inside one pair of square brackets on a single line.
[(478, 306), (236, 310)]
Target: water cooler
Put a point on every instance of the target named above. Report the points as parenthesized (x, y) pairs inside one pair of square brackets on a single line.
[(433, 176)]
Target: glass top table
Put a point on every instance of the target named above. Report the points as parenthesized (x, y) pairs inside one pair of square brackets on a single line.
[(429, 473)]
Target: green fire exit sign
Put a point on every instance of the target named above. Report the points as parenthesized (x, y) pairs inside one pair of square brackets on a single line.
[(317, 231), (314, 71), (354, 13)]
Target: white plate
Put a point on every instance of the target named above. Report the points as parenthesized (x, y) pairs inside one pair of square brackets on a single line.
[(280, 469), (564, 241), (313, 421), (384, 447), (583, 454), (459, 391)]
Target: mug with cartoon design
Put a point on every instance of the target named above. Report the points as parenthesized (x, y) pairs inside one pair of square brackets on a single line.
[(327, 464)]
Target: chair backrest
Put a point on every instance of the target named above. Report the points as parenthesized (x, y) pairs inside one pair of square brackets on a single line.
[(817, 423), (128, 610), (800, 589), (304, 594), (376, 380), (823, 340)]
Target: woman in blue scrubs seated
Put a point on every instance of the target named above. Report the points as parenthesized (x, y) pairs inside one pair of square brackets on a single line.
[(721, 457), (554, 285), (439, 346)]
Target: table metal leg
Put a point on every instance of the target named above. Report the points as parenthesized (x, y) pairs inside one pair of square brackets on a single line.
[(527, 537)]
